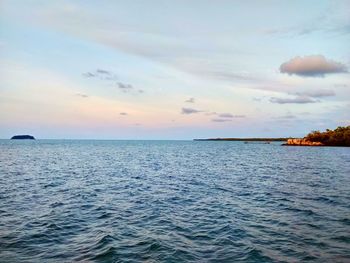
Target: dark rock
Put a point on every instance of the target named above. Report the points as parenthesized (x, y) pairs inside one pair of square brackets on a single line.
[(23, 137)]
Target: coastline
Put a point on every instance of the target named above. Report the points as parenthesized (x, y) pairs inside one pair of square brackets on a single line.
[(245, 139)]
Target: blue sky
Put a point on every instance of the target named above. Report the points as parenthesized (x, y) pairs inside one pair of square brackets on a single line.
[(173, 69)]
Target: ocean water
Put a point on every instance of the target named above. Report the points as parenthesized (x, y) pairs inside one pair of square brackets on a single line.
[(173, 201)]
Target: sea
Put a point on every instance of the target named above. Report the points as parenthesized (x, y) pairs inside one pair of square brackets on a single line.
[(173, 201)]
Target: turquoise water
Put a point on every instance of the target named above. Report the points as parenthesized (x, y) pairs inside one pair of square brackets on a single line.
[(173, 201)]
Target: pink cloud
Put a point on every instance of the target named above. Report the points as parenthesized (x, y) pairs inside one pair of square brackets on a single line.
[(312, 66)]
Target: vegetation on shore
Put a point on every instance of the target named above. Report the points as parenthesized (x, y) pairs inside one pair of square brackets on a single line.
[(338, 137)]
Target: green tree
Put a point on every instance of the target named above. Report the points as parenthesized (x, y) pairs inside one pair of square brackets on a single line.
[(338, 137)]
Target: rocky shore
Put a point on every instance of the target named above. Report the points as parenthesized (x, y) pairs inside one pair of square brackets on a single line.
[(302, 142)]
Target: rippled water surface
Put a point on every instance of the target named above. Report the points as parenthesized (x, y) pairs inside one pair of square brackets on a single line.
[(173, 201)]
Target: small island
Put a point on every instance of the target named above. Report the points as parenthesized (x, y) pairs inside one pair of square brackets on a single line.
[(338, 137), (22, 137)]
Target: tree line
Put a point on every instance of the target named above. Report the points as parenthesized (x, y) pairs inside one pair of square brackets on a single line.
[(338, 137)]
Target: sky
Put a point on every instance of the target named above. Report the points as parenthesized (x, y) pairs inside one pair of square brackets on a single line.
[(173, 69)]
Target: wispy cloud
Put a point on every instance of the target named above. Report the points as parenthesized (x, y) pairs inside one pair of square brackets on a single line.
[(303, 97), (334, 21), (229, 75), (228, 115), (286, 117), (216, 71), (123, 113), (82, 95), (294, 31), (211, 113), (190, 100), (312, 66), (124, 87), (225, 115), (111, 78), (89, 75), (296, 100), (341, 85), (220, 120), (316, 93), (257, 99), (190, 111), (101, 74)]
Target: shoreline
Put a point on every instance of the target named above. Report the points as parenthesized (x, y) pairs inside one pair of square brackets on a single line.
[(245, 139)]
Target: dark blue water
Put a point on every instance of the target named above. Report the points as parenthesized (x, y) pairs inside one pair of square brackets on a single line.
[(173, 201)]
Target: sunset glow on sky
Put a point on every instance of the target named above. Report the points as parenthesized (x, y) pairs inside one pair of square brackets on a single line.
[(173, 69)]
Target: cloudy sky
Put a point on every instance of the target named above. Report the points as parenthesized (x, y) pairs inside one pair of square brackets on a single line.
[(173, 69)]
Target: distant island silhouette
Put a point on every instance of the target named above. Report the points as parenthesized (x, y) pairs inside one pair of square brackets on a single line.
[(22, 137)]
